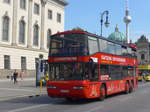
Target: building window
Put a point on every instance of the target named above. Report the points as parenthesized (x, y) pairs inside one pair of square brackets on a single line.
[(142, 57), (36, 9), (50, 14), (59, 17), (22, 32), (48, 37), (5, 32), (6, 1), (23, 4), (6, 62), (23, 63), (36, 35)]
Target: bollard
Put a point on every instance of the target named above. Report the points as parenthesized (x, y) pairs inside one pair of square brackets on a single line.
[(41, 85)]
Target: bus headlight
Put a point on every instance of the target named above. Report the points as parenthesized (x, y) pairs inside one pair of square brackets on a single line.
[(51, 87), (78, 87)]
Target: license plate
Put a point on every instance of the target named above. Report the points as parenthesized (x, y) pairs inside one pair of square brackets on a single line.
[(64, 91)]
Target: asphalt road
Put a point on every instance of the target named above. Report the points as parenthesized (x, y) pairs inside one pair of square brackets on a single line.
[(138, 101)]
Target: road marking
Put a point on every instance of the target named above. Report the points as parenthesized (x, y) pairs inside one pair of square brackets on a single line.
[(16, 89), (28, 108)]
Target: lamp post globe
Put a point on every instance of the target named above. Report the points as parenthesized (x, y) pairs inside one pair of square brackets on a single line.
[(107, 24)]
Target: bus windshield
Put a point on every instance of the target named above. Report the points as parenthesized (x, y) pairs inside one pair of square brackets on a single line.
[(73, 71), (68, 45)]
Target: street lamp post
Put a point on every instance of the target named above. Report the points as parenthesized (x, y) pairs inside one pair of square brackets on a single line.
[(106, 22)]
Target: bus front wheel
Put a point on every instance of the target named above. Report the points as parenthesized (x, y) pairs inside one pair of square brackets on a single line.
[(102, 93)]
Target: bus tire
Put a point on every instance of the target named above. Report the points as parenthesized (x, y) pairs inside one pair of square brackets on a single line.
[(127, 88), (131, 87), (102, 92)]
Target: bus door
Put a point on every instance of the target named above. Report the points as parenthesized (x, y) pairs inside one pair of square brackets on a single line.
[(92, 74)]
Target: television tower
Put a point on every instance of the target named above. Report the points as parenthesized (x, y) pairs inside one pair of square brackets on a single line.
[(127, 20)]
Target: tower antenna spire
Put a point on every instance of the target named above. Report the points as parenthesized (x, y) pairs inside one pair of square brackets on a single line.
[(127, 20), (127, 7)]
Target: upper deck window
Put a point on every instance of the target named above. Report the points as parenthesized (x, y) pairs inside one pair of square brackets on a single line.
[(118, 49), (129, 50), (111, 48), (103, 45), (68, 45), (93, 45), (124, 51)]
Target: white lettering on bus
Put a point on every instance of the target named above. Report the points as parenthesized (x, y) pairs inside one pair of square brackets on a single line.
[(108, 58), (119, 59)]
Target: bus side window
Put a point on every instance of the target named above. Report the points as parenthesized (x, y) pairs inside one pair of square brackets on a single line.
[(115, 72), (125, 71), (130, 71), (104, 72)]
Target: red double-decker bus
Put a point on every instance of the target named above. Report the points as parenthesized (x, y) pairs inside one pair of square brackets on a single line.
[(84, 65)]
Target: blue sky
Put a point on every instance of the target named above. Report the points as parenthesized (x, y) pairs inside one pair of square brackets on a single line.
[(86, 14)]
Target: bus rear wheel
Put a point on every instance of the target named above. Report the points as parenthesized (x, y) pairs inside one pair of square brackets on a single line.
[(102, 93), (127, 88), (131, 87)]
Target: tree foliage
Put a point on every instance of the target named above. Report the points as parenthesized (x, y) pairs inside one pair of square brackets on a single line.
[(77, 29)]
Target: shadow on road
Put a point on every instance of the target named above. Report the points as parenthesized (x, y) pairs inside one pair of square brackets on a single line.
[(44, 99)]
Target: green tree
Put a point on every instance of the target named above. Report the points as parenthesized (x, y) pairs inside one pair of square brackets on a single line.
[(77, 29)]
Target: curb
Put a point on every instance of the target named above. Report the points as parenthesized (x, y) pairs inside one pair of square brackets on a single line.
[(26, 79), (21, 96)]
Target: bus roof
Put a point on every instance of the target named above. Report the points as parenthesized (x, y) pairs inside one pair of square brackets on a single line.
[(65, 32), (133, 46)]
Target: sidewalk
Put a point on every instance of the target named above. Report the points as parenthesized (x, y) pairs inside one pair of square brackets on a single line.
[(25, 79), (24, 88)]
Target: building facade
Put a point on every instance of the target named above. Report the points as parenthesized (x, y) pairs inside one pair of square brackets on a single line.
[(143, 50), (25, 26)]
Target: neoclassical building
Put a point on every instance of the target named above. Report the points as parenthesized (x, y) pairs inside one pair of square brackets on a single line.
[(143, 50), (24, 29)]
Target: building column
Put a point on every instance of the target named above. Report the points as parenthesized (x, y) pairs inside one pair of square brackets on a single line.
[(14, 22), (29, 38), (43, 3)]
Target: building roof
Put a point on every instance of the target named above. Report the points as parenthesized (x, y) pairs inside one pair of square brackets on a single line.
[(117, 36), (143, 39), (63, 2)]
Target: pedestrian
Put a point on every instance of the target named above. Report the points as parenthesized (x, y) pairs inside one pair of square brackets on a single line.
[(15, 75), (21, 74), (12, 76)]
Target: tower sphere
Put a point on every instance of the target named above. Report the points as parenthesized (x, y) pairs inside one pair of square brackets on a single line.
[(127, 19)]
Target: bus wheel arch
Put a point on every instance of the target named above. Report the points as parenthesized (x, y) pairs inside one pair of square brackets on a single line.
[(127, 87), (103, 91)]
